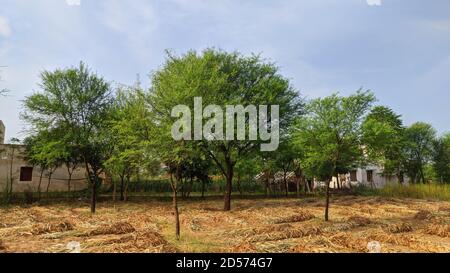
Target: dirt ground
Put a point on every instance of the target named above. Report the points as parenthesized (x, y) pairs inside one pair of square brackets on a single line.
[(259, 225)]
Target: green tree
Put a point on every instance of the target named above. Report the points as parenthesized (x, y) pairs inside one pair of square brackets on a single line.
[(130, 130), (330, 135), (383, 138), (441, 158), (419, 149), (221, 78), (285, 159), (246, 169), (77, 102)]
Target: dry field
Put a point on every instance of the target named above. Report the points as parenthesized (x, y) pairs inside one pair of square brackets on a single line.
[(270, 225)]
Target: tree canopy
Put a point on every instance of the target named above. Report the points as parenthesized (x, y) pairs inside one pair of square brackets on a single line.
[(330, 135), (77, 103), (221, 79)]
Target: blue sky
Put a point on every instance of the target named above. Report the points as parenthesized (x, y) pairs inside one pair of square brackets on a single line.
[(400, 49)]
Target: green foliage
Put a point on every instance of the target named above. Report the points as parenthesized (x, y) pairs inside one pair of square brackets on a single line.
[(222, 79), (45, 149), (77, 104), (383, 138), (419, 149), (441, 159), (330, 134), (76, 120), (129, 131)]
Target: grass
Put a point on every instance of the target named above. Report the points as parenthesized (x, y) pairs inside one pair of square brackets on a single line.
[(416, 191)]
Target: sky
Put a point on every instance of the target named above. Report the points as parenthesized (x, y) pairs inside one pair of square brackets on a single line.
[(399, 49)]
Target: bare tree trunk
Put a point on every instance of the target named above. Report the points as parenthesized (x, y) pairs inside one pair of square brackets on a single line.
[(307, 185), (48, 184), (114, 192), (228, 187), (93, 181), (68, 185), (227, 196), (122, 188), (422, 175), (175, 206), (70, 172), (93, 195), (127, 182), (40, 183), (327, 204)]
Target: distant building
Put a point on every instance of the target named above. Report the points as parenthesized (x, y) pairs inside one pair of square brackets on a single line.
[(370, 175), (26, 176)]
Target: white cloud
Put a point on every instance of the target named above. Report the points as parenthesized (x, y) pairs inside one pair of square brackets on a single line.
[(374, 2), (73, 2), (5, 29)]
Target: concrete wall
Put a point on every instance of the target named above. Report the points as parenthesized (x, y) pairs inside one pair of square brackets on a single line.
[(57, 183)]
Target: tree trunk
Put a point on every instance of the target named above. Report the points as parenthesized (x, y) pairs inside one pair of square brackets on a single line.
[(70, 173), (127, 183), (93, 195), (327, 203), (422, 175), (177, 215), (228, 187), (68, 185), (48, 184), (122, 188), (39, 185), (400, 177), (307, 186), (227, 197), (114, 192), (175, 207), (93, 177)]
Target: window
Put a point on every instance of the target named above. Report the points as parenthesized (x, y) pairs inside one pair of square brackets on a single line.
[(353, 176), (26, 174), (369, 176)]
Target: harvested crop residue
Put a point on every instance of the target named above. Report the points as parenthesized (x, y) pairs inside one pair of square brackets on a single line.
[(257, 225)]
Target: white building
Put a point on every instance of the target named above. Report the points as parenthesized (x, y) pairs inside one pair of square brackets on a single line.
[(371, 176)]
